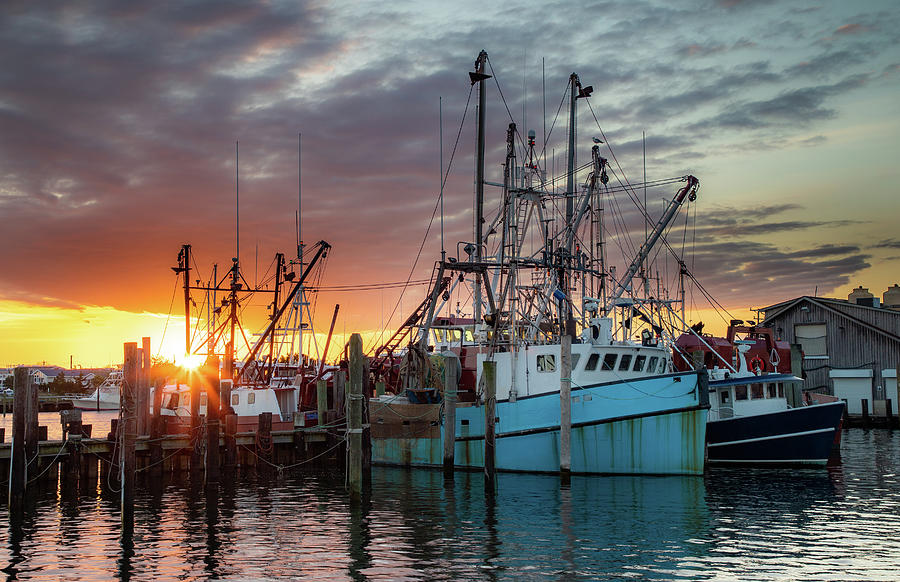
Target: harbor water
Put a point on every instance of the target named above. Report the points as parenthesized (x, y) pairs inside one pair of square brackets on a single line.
[(835, 523)]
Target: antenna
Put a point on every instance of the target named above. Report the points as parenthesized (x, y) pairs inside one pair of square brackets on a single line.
[(441, 139), (299, 200), (237, 203)]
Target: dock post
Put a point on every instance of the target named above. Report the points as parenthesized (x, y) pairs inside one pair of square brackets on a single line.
[(73, 448), (156, 431), (340, 391), (264, 444), (127, 465), (321, 400), (865, 412), (565, 410), (213, 390), (489, 374), (230, 440), (354, 417), (32, 407), (17, 465), (451, 384), (889, 413), (196, 441), (143, 393)]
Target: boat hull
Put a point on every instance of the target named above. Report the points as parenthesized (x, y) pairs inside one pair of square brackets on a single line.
[(94, 404), (655, 425), (802, 435)]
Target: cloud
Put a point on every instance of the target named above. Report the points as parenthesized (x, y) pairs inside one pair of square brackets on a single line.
[(887, 244)]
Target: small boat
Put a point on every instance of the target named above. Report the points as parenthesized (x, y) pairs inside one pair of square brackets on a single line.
[(105, 397), (757, 415), (542, 299)]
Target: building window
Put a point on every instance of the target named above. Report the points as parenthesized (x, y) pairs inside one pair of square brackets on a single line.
[(546, 363), (811, 338)]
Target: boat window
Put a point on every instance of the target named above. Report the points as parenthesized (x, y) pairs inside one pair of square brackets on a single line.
[(251, 398), (756, 391), (453, 335), (546, 363), (470, 337), (625, 363), (723, 396), (186, 400), (439, 335), (662, 365), (770, 390), (740, 392), (575, 358), (592, 362), (171, 401), (639, 363), (235, 399), (651, 365), (203, 398), (780, 390), (609, 362)]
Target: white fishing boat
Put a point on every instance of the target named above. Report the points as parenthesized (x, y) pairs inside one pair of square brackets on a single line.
[(105, 397), (537, 277)]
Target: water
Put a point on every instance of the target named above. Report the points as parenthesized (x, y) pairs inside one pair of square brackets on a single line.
[(839, 523), (99, 421)]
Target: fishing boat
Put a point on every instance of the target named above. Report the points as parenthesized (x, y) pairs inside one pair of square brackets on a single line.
[(105, 397), (548, 318), (757, 413)]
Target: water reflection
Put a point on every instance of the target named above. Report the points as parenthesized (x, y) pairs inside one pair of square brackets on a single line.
[(730, 524)]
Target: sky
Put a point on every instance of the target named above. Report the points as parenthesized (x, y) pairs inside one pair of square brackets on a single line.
[(130, 128)]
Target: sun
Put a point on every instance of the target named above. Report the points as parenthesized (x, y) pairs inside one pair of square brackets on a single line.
[(190, 362)]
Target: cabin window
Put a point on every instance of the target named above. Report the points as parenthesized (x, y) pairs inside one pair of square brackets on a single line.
[(592, 362), (609, 362), (251, 398), (186, 400), (740, 392), (454, 335), (651, 365), (723, 396), (235, 399), (575, 358), (171, 401), (812, 340), (203, 398), (639, 363), (756, 391), (780, 390), (546, 363), (770, 390), (625, 363), (470, 337), (439, 336)]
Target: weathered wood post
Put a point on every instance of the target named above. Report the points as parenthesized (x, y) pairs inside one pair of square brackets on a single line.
[(32, 407), (354, 417), (213, 391), (17, 464), (143, 393), (565, 410), (73, 448), (196, 442), (129, 403), (452, 371), (264, 441), (889, 413), (156, 431), (489, 375), (230, 440), (865, 412), (794, 391), (321, 400)]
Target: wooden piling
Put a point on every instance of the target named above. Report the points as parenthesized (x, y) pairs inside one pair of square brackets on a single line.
[(230, 441), (354, 417), (321, 400), (156, 432), (196, 442), (127, 465), (264, 441), (143, 392), (340, 392), (32, 407), (451, 384), (17, 464), (565, 409), (865, 412), (73, 449), (213, 390), (889, 413), (489, 375)]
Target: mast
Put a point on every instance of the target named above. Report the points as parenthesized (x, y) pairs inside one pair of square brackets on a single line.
[(479, 77), (279, 269), (184, 267)]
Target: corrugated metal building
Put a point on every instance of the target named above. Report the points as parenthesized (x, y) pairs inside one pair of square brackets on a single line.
[(841, 336)]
